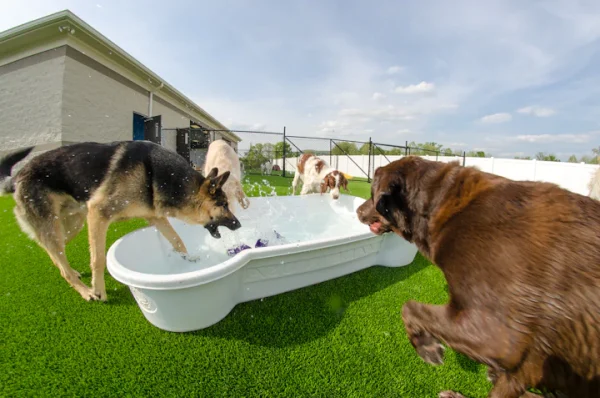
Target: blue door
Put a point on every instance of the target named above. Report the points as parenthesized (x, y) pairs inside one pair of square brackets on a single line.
[(138, 127)]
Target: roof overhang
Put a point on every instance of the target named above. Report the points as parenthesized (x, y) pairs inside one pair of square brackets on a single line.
[(65, 25)]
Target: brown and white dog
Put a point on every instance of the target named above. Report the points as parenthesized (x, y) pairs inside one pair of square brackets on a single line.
[(317, 176), (522, 263), (222, 156)]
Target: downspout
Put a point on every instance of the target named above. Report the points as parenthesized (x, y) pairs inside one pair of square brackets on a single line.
[(151, 98)]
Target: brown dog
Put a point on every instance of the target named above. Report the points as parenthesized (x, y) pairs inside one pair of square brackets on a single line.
[(522, 263)]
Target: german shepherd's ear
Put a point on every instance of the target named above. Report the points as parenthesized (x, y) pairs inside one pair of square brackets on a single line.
[(222, 179), (213, 173)]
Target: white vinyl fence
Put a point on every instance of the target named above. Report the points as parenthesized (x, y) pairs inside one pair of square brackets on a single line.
[(572, 176)]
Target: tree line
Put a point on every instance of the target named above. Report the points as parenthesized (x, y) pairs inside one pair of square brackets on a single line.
[(594, 158)]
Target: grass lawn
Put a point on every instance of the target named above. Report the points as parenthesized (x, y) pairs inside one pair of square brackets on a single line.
[(344, 337)]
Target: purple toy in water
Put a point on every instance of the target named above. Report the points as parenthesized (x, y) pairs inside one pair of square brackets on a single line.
[(259, 243), (236, 250)]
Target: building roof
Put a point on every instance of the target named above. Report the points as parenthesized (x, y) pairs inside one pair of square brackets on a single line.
[(64, 23)]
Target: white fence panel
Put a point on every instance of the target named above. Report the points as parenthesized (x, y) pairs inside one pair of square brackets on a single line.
[(572, 176)]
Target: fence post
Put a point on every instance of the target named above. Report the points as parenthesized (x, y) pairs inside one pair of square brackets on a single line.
[(406, 148), (436, 155), (464, 158), (369, 163), (330, 149), (283, 172)]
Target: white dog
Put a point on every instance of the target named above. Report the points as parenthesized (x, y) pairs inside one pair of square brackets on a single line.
[(594, 185), (223, 157), (317, 176), (266, 168)]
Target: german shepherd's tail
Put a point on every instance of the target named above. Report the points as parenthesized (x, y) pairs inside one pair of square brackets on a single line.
[(6, 164)]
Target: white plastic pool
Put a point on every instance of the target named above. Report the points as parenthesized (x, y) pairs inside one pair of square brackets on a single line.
[(323, 239)]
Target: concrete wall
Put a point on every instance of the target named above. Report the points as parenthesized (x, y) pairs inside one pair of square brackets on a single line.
[(31, 100), (62, 96), (98, 104)]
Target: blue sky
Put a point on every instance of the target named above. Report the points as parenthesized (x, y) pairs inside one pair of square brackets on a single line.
[(508, 77)]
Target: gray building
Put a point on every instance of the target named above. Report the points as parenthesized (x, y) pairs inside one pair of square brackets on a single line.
[(63, 82)]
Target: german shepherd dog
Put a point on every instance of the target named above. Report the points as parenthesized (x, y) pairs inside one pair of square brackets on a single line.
[(56, 191)]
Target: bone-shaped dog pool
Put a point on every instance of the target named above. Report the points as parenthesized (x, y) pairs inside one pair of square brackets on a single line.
[(311, 239)]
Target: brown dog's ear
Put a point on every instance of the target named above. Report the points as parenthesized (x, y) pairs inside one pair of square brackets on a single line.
[(213, 173), (343, 182), (326, 183), (386, 207)]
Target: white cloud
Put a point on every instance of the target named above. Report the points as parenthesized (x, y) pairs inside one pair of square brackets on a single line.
[(384, 113), (538, 111), (420, 88), (393, 70), (497, 118), (557, 138), (330, 126), (378, 96), (345, 97)]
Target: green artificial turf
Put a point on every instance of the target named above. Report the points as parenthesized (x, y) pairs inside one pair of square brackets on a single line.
[(344, 337)]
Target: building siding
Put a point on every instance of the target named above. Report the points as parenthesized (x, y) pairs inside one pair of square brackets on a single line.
[(63, 96), (31, 101), (98, 104)]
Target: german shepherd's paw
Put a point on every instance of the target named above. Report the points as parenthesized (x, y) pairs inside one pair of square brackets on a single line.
[(450, 394)]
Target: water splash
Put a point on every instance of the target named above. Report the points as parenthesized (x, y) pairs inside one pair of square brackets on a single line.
[(276, 220), (254, 234)]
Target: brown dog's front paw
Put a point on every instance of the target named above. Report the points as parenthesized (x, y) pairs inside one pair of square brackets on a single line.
[(492, 375), (433, 353), (450, 394), (428, 347)]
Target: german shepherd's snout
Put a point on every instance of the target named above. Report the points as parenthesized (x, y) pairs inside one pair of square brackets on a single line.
[(231, 223)]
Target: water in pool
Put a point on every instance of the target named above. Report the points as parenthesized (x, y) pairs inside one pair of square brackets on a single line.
[(295, 219)]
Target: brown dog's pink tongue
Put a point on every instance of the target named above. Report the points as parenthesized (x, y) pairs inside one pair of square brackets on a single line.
[(375, 226)]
